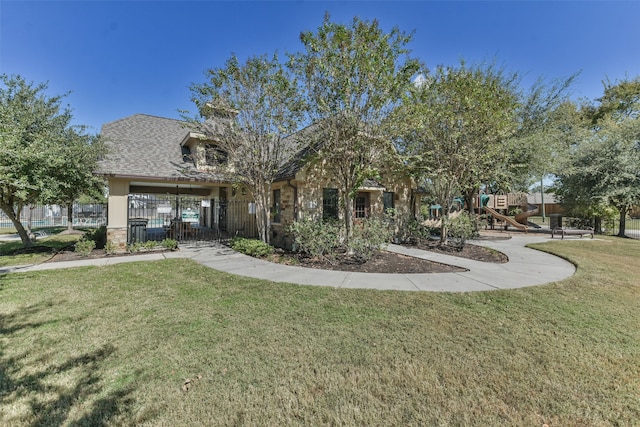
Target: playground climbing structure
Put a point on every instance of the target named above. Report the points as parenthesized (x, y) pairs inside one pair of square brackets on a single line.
[(497, 205)]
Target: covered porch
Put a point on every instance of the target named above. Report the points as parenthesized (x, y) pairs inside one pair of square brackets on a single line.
[(186, 212)]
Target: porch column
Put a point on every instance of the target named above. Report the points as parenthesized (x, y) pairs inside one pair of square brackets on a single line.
[(117, 221)]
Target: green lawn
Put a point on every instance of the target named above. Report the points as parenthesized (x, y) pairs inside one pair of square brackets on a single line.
[(114, 345), (53, 241)]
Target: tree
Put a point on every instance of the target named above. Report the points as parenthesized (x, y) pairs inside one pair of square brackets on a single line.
[(353, 75), (546, 117), (73, 172), (604, 168), (453, 127), (34, 135), (257, 106)]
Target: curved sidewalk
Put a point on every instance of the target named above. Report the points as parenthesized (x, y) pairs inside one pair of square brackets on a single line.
[(526, 267)]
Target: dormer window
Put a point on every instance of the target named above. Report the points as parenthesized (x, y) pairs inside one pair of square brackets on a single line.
[(205, 154), (215, 156)]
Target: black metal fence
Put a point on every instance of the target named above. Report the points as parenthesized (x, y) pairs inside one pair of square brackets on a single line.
[(188, 219), (632, 227), (610, 226), (44, 216)]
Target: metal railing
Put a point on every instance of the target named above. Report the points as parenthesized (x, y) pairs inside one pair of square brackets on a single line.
[(632, 227), (188, 219), (610, 226), (91, 215)]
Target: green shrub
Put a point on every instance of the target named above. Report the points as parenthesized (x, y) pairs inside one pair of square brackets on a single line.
[(85, 246), (170, 244), (316, 238), (368, 238), (412, 230), (110, 248), (461, 227), (99, 235), (134, 247), (252, 247), (150, 245)]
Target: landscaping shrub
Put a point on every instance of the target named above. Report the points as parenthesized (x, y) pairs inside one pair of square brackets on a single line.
[(252, 247), (99, 236), (134, 247), (368, 238), (85, 246), (110, 248), (315, 238), (150, 245), (170, 244), (412, 230), (461, 227)]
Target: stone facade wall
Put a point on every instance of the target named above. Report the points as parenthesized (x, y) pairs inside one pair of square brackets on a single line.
[(309, 185), (279, 235), (118, 237)]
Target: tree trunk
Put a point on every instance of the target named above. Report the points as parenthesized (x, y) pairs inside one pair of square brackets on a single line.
[(623, 222), (25, 235), (597, 225), (348, 215), (468, 199), (444, 219), (70, 217), (263, 214)]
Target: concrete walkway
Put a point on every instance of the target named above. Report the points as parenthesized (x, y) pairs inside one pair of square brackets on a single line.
[(526, 267)]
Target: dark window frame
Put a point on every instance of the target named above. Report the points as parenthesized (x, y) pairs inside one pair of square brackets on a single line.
[(388, 200), (362, 205), (215, 156), (276, 207), (329, 204)]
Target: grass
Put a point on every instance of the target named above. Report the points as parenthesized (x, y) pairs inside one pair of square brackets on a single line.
[(114, 345), (54, 242)]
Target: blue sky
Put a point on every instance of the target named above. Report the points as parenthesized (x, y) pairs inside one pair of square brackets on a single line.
[(124, 57)]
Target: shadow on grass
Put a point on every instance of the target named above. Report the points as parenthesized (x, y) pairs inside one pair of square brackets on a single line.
[(52, 391)]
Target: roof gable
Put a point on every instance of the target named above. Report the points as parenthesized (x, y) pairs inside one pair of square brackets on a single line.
[(150, 147)]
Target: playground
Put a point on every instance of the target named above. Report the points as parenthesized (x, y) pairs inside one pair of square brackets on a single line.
[(497, 208)]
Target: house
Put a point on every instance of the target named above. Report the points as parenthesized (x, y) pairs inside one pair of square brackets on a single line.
[(165, 180), (550, 205), (306, 189), (157, 169)]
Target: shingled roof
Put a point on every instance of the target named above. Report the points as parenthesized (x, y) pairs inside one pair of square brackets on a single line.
[(149, 147), (302, 147)]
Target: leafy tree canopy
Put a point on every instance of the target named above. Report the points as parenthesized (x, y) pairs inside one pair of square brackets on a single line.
[(250, 108), (604, 166), (42, 157), (454, 124), (353, 76)]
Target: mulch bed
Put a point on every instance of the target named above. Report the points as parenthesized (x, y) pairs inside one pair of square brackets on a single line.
[(66, 255), (469, 251), (389, 262), (382, 262)]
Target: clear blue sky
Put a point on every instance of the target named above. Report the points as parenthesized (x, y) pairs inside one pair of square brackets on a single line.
[(124, 57)]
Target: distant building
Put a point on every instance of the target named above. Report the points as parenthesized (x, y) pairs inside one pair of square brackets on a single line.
[(551, 203)]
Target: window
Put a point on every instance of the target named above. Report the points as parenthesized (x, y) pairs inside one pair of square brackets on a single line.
[(329, 203), (362, 205), (275, 206), (387, 200), (214, 156)]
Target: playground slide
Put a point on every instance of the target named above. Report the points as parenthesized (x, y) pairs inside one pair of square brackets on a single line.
[(522, 217), (507, 219)]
